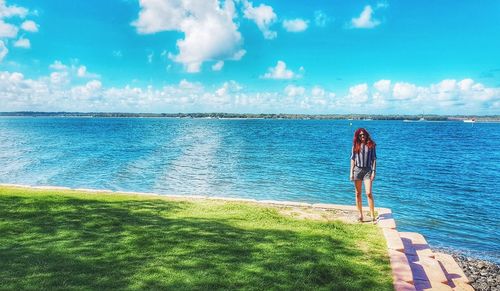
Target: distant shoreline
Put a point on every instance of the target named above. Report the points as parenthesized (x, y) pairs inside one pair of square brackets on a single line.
[(219, 115)]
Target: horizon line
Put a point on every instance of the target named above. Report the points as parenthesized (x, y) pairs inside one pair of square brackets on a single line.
[(6, 113)]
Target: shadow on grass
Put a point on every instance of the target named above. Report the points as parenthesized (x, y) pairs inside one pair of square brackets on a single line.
[(69, 243)]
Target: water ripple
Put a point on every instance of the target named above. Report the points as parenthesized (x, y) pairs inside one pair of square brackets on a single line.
[(439, 178)]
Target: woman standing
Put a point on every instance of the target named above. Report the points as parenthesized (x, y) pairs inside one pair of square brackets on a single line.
[(363, 165)]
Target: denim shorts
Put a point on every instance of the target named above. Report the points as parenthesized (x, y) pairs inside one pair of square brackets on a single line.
[(362, 173)]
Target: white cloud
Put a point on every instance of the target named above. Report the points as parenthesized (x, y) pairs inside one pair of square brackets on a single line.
[(445, 90), (3, 50), (295, 25), (23, 43), (82, 71), (447, 85), (16, 77), (150, 57), (292, 90), (209, 30), (58, 65), (190, 86), (218, 66), (94, 85), (71, 72), (383, 86), (62, 90), (319, 100), (29, 25), (91, 90), (281, 72), (317, 91), (379, 101), (403, 91), (358, 93), (465, 84), (263, 15), (450, 90), (11, 11), (309, 103), (7, 30), (238, 55), (365, 19), (59, 78), (381, 95), (157, 16), (224, 94), (320, 18), (446, 97)]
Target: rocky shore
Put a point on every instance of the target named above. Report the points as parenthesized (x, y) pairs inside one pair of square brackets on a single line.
[(483, 275)]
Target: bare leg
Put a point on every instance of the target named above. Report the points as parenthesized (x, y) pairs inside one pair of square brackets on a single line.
[(369, 195), (359, 204)]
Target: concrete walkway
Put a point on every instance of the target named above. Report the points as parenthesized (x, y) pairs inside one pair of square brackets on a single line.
[(414, 265)]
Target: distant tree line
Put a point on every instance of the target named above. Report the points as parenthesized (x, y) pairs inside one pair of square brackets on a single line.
[(430, 117)]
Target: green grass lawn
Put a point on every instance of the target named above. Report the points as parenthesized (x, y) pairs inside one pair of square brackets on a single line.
[(54, 239)]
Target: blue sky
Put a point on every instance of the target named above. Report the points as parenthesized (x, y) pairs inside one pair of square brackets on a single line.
[(382, 57)]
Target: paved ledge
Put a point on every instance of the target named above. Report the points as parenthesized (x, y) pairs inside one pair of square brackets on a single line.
[(387, 223), (51, 187), (231, 199), (404, 286), (381, 211), (89, 190), (285, 203), (414, 265), (416, 245), (401, 270), (15, 185)]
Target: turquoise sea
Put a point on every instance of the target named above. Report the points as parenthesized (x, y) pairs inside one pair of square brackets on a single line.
[(440, 178)]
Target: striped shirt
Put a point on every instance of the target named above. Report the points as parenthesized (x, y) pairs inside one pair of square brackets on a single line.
[(365, 157)]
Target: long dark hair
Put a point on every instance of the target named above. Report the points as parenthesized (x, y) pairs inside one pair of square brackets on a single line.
[(356, 142)]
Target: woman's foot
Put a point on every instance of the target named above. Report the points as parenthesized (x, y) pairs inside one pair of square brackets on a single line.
[(360, 218)]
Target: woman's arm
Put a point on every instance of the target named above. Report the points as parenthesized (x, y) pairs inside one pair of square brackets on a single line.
[(374, 167), (351, 172)]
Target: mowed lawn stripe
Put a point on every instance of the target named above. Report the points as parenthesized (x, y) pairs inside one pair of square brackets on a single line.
[(60, 239)]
